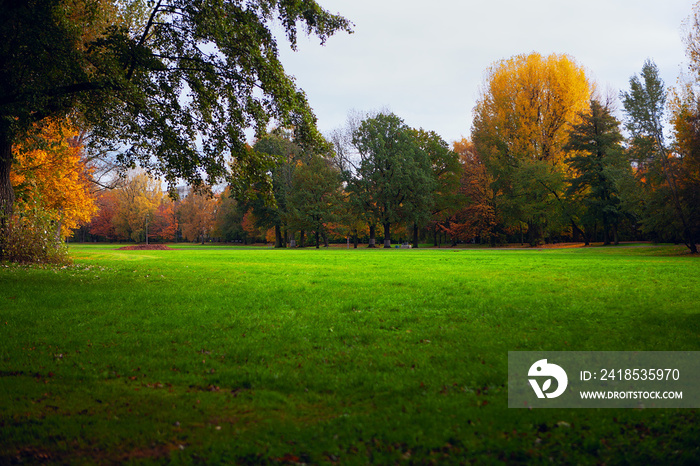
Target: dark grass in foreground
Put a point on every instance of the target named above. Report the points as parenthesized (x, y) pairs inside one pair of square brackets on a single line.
[(350, 356)]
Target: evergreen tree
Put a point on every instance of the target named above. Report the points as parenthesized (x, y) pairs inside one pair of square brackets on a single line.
[(597, 160)]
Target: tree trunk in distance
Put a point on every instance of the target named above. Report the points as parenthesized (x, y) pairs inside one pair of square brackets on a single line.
[(387, 235), (278, 236), (372, 239), (606, 231), (415, 235)]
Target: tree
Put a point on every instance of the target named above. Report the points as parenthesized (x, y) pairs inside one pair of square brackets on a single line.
[(249, 224), (358, 213), (229, 218), (48, 172), (173, 84), (197, 215), (597, 162), (443, 199), (269, 201), (137, 201), (315, 196), (685, 120), (44, 55), (520, 129), (103, 224), (477, 215), (165, 224), (644, 105), (394, 174)]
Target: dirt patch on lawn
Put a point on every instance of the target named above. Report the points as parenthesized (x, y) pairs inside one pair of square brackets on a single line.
[(146, 247), (562, 245)]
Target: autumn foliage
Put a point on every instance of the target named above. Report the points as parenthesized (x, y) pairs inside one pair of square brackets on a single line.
[(136, 208), (52, 186), (197, 215), (102, 224), (165, 223), (477, 217), (48, 173)]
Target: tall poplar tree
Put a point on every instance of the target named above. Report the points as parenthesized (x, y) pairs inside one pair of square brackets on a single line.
[(520, 127)]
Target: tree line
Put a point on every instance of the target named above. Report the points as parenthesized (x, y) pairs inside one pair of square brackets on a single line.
[(547, 160)]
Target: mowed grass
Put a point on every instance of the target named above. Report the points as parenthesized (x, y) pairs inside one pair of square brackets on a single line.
[(219, 354)]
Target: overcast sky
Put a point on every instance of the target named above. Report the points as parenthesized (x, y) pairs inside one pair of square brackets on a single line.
[(425, 60)]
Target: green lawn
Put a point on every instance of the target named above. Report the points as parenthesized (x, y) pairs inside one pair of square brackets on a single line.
[(219, 354)]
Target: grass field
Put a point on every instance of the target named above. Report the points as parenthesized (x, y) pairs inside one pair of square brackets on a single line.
[(260, 356)]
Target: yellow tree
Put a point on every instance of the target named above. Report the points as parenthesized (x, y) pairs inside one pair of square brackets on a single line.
[(520, 128), (138, 199), (48, 174)]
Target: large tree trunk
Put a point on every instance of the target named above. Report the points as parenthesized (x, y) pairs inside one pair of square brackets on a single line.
[(522, 240), (301, 239), (372, 234), (584, 234), (387, 235), (606, 231), (317, 241), (415, 235), (354, 239), (535, 232), (278, 237)]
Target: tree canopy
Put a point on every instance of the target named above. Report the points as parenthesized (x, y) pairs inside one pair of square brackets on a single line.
[(645, 104), (597, 162), (520, 129), (394, 176), (171, 85)]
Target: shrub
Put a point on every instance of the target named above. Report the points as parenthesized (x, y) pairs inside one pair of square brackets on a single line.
[(30, 237)]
